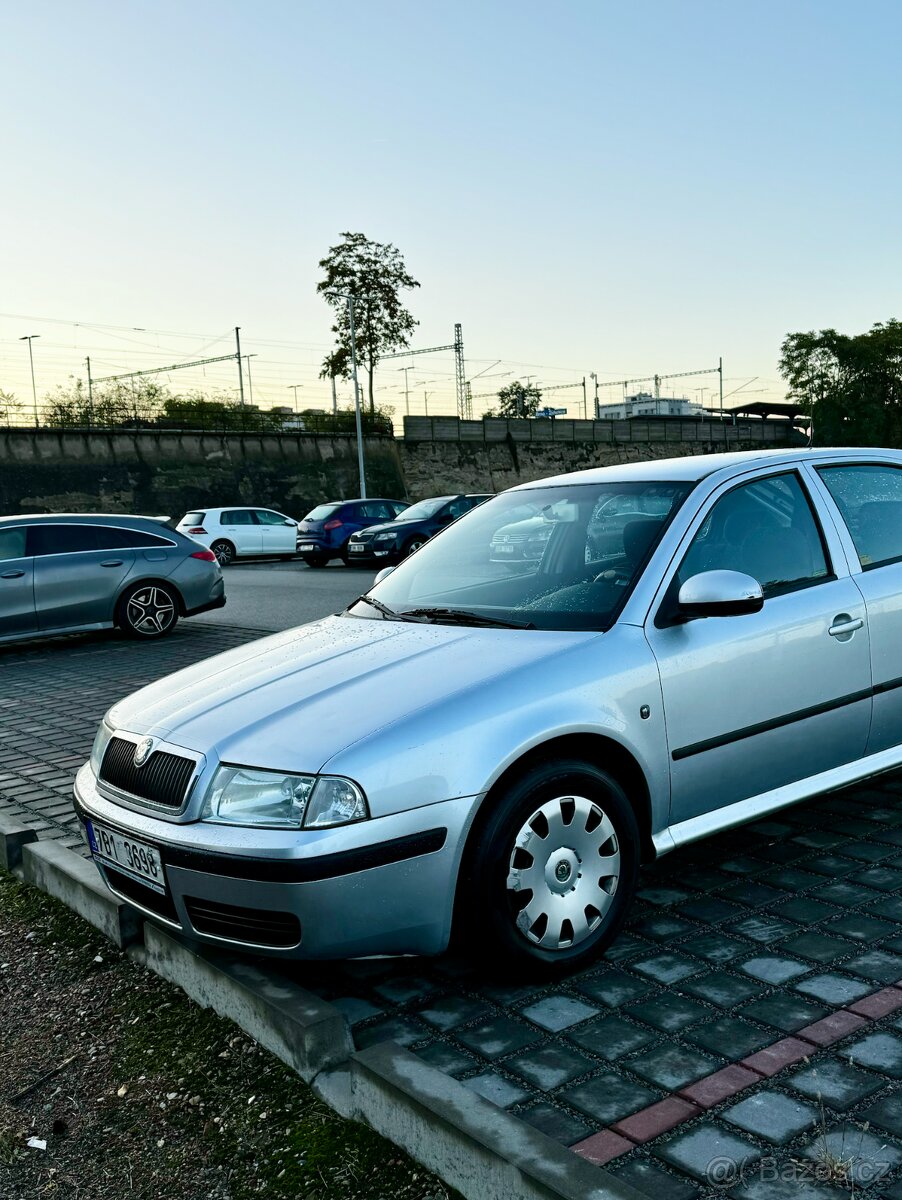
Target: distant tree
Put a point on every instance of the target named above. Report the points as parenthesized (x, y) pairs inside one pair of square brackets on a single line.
[(851, 385), (518, 400), (10, 408), (375, 275), (129, 403)]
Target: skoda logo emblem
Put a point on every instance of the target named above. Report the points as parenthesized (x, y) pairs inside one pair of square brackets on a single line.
[(142, 752)]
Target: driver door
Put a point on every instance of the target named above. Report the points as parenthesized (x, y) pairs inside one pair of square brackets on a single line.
[(757, 701)]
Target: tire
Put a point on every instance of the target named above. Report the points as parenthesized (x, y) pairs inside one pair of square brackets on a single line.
[(224, 551), (414, 544), (316, 560), (147, 611), (504, 919), (286, 557)]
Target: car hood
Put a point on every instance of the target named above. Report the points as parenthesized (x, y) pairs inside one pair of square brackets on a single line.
[(386, 527), (293, 701)]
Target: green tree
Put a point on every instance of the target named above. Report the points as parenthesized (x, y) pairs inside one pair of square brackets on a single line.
[(10, 408), (850, 385), (519, 399), (133, 403), (373, 273)]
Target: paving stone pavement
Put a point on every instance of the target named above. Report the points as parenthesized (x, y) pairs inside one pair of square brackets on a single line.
[(734, 946)]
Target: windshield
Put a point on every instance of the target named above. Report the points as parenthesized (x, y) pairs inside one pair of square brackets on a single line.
[(423, 508), (549, 558), (321, 512)]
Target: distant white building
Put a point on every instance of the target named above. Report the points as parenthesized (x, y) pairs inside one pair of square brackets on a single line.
[(644, 404)]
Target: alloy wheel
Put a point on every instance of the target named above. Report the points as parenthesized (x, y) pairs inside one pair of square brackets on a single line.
[(223, 552), (563, 872), (151, 611)]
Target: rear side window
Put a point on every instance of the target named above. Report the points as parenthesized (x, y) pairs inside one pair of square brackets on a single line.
[(238, 516), (12, 543), (61, 539), (193, 518), (110, 537), (322, 512), (870, 501)]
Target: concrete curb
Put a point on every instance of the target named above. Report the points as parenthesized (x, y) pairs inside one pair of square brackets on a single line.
[(467, 1141), (75, 880), (306, 1033), (476, 1147), (13, 836)]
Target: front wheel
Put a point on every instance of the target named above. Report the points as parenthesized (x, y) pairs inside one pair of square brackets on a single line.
[(147, 611), (551, 877), (414, 544)]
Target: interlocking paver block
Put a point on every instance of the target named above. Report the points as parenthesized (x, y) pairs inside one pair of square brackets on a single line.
[(667, 968), (834, 1082), (784, 1012), (602, 1147), (612, 987), (706, 1151), (730, 1037), (870, 1158), (781, 1054), (548, 1067), (562, 1126), (720, 1086), (833, 989), (880, 1051), (555, 1013), (658, 1118), (608, 1098), (496, 1088), (496, 1037), (611, 1037), (832, 1028), (651, 1180), (878, 1004), (772, 1116), (772, 968), (672, 1067), (886, 1114)]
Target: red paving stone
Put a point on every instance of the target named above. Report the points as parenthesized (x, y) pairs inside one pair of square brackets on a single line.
[(781, 1054), (656, 1119), (602, 1147), (830, 1029), (878, 1004), (720, 1086)]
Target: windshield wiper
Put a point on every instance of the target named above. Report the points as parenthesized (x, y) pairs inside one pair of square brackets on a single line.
[(389, 613), (460, 616)]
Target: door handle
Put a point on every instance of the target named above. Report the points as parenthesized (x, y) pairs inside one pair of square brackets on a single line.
[(112, 562), (12, 575), (843, 626)]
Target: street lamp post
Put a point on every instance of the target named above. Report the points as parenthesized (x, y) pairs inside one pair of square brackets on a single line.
[(293, 387), (349, 300), (29, 337)]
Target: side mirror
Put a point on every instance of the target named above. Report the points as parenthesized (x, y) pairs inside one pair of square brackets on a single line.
[(383, 574), (720, 594)]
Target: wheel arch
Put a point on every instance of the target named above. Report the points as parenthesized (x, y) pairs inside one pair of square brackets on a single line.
[(598, 750)]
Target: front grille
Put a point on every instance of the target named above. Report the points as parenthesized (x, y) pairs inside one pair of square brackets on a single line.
[(363, 537), (145, 896), (259, 926), (162, 780)]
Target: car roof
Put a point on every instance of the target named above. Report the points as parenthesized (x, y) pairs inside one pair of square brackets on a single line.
[(82, 518), (695, 467)]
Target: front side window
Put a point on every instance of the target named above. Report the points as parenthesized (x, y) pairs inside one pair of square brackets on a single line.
[(765, 529), (870, 501), (267, 517), (12, 543), (61, 539), (529, 558)]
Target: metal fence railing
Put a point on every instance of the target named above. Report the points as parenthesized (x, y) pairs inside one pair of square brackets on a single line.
[(207, 419)]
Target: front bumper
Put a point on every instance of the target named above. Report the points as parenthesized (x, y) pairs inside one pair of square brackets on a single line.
[(383, 886), (370, 555)]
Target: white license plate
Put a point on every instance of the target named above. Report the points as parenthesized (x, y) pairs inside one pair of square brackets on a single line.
[(302, 546), (504, 549), (357, 549), (137, 859)]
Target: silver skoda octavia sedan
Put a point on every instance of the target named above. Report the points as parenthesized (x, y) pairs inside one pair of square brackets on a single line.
[(497, 751)]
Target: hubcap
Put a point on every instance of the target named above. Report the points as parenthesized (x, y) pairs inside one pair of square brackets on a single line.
[(151, 610), (563, 872)]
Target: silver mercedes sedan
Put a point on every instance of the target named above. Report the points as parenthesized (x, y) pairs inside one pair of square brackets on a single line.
[(497, 751)]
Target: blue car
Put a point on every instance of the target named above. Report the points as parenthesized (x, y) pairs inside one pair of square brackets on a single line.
[(326, 530)]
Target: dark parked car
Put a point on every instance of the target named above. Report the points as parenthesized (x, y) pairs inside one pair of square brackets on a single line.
[(325, 531), (67, 573), (390, 543)]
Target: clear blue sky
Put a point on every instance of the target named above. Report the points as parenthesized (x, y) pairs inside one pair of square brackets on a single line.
[(618, 187)]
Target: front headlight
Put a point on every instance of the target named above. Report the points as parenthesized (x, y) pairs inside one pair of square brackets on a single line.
[(269, 799), (385, 537), (101, 741)]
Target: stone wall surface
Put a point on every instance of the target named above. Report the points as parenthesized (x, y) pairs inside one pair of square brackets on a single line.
[(171, 472)]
